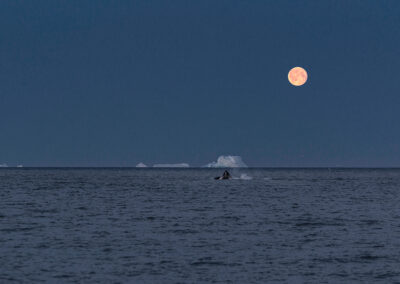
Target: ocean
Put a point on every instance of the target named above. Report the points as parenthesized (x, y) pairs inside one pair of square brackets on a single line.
[(127, 225)]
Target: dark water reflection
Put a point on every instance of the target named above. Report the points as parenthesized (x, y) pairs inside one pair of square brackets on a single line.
[(182, 226)]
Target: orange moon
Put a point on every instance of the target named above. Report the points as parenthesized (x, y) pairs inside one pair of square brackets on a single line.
[(297, 76)]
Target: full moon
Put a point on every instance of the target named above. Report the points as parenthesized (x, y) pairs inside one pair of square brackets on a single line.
[(297, 76)]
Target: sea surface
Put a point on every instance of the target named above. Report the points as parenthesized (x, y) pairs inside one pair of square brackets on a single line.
[(182, 226)]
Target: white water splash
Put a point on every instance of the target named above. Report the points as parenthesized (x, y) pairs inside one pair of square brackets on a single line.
[(243, 177)]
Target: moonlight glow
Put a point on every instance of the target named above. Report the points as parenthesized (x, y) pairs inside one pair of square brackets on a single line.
[(297, 76)]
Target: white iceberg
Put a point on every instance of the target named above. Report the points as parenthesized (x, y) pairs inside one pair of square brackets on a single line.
[(181, 165), (227, 162), (3, 166), (141, 165)]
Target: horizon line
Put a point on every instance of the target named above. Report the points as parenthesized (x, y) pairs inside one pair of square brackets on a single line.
[(199, 167)]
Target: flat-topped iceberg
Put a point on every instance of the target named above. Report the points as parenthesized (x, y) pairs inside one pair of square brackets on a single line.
[(181, 165)]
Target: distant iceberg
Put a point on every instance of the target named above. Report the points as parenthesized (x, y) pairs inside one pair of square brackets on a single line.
[(181, 165), (227, 162), (141, 165), (3, 166), (20, 166)]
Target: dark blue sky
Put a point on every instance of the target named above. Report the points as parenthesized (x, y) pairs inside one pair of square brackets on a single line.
[(114, 83)]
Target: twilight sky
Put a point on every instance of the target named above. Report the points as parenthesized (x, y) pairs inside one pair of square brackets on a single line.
[(115, 83)]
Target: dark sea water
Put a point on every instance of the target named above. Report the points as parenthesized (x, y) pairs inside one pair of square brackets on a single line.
[(182, 226)]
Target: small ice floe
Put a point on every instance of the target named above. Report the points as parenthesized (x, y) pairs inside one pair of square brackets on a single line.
[(141, 165)]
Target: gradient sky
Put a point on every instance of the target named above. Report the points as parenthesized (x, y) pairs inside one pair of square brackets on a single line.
[(115, 83)]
